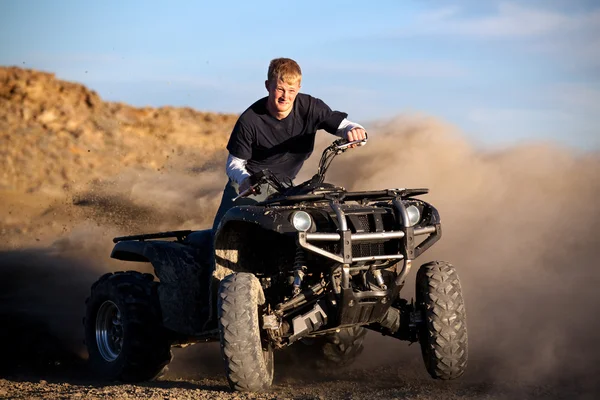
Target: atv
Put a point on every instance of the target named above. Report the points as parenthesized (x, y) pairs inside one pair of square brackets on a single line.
[(313, 266)]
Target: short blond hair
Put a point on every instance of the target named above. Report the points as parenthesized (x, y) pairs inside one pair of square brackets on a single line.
[(285, 70)]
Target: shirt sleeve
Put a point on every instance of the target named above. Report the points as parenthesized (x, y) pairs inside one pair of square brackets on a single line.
[(236, 169), (240, 141), (345, 126), (326, 118)]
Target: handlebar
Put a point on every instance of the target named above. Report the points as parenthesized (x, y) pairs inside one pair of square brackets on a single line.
[(343, 145), (259, 178), (245, 193), (265, 176), (256, 180)]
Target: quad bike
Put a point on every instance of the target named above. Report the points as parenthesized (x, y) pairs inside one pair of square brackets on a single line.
[(312, 265)]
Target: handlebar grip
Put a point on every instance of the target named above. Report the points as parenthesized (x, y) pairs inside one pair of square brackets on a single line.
[(346, 145), (343, 141)]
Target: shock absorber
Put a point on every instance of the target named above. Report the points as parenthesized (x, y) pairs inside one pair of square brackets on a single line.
[(378, 278), (299, 270)]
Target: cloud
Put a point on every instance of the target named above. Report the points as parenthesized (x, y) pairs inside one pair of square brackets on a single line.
[(566, 124), (506, 116), (438, 15), (510, 21), (580, 98), (570, 39), (574, 52), (397, 69)]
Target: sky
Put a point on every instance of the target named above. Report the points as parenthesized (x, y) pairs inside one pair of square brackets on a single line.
[(503, 72)]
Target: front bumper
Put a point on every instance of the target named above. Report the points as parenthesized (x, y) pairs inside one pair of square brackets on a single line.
[(395, 246), (408, 249), (305, 239)]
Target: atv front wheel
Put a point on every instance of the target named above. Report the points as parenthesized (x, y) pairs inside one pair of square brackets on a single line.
[(123, 328), (443, 330), (248, 359)]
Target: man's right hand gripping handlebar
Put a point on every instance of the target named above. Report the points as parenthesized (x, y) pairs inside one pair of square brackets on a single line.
[(251, 185), (345, 144)]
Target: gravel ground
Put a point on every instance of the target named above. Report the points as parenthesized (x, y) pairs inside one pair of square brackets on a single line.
[(198, 374), (358, 385)]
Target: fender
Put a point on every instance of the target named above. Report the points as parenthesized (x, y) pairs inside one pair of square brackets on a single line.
[(236, 247), (185, 274), (272, 219)]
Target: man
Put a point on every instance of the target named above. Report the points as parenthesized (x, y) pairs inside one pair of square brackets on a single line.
[(278, 133)]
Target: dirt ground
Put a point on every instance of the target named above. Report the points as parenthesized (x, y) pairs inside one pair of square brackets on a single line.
[(520, 224), (196, 373)]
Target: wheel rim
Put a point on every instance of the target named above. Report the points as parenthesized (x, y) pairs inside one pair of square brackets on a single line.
[(109, 331)]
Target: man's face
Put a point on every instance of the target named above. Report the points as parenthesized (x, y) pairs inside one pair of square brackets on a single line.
[(282, 94)]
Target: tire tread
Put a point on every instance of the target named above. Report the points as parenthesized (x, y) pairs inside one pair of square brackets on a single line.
[(240, 295), (443, 336)]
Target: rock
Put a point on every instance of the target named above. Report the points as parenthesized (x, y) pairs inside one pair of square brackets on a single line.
[(44, 119)]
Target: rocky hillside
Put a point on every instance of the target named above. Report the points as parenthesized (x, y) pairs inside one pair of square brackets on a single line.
[(56, 135)]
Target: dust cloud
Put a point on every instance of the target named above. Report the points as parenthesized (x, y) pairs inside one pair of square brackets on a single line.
[(519, 223), (42, 300)]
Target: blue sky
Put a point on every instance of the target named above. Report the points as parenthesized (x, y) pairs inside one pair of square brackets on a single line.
[(502, 71)]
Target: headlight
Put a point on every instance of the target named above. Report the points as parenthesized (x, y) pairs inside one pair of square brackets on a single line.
[(301, 221), (414, 215)]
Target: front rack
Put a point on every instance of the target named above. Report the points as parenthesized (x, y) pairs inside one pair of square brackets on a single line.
[(387, 194)]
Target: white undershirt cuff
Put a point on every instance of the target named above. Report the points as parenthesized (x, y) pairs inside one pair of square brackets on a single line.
[(345, 126), (236, 169)]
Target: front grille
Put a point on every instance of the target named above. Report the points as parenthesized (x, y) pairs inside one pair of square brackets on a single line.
[(363, 222), (368, 249), (369, 221)]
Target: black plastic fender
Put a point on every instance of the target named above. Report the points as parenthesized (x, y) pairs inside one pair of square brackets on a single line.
[(271, 218), (185, 272)]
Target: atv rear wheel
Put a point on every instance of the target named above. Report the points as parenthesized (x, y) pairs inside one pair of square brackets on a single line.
[(443, 330), (341, 348), (248, 358), (336, 349), (123, 328)]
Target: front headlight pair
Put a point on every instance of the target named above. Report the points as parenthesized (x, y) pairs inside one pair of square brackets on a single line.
[(302, 221)]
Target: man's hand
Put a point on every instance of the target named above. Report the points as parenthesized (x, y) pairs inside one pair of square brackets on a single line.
[(356, 133), (245, 185)]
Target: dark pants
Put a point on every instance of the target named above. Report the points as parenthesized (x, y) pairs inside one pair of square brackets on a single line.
[(230, 192)]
